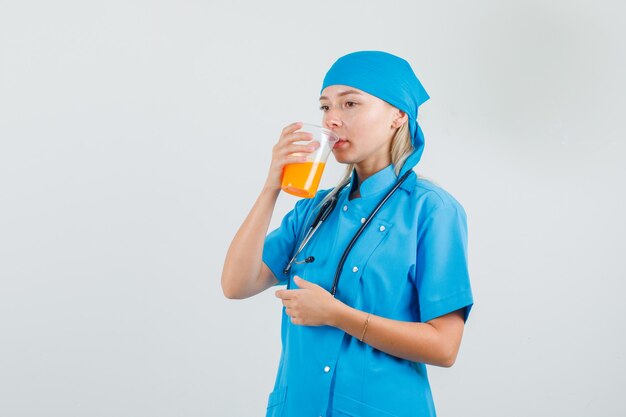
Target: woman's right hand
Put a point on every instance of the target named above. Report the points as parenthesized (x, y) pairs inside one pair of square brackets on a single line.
[(282, 153)]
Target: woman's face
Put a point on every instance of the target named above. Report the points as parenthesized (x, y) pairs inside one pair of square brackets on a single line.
[(364, 123)]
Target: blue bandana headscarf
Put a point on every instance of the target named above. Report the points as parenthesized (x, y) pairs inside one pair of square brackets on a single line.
[(388, 77)]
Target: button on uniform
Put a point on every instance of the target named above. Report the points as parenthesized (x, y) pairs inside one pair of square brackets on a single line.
[(363, 220), (326, 368), (381, 228), (355, 269), (345, 208)]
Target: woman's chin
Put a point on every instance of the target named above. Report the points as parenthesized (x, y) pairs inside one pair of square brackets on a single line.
[(342, 157), (344, 161)]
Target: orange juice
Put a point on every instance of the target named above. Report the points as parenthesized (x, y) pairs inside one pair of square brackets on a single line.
[(303, 178)]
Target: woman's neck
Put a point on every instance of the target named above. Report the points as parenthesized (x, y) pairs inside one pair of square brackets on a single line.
[(364, 170)]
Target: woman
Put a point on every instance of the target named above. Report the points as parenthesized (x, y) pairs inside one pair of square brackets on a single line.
[(359, 346)]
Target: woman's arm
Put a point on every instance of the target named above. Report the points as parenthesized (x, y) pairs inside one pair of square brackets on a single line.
[(244, 273), (435, 342)]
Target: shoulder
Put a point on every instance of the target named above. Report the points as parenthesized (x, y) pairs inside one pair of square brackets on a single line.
[(431, 197)]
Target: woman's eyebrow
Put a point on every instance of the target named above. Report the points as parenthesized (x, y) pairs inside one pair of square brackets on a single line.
[(343, 93)]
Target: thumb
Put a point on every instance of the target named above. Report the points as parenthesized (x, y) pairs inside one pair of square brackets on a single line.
[(302, 283)]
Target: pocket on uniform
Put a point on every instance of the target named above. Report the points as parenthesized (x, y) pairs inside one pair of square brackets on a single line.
[(276, 402), (346, 406)]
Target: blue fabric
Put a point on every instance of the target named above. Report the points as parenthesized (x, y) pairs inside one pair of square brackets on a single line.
[(389, 78), (411, 265)]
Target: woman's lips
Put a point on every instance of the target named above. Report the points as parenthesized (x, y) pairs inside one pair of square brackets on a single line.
[(340, 143)]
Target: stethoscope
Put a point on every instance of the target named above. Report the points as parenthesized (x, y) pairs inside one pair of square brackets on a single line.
[(323, 214)]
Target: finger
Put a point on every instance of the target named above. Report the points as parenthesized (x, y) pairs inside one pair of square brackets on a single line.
[(293, 159), (305, 148), (292, 314), (297, 137), (303, 283), (291, 128), (292, 310), (285, 294), (280, 294), (297, 153)]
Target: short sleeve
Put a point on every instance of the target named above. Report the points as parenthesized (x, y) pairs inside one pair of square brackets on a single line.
[(442, 277), (280, 244)]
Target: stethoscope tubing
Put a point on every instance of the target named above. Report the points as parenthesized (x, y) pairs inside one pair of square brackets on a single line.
[(346, 252), (324, 212)]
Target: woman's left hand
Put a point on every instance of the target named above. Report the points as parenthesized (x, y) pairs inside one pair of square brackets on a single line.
[(311, 305)]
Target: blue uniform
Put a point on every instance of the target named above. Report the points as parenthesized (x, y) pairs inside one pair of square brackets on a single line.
[(409, 264)]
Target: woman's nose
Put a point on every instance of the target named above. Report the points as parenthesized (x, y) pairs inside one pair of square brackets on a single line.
[(332, 119)]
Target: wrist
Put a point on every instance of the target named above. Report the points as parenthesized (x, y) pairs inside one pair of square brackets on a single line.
[(337, 314), (271, 189)]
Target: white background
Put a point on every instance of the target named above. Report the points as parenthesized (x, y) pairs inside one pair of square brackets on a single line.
[(135, 136)]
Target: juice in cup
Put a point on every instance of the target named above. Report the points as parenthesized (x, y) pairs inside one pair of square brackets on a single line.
[(302, 179)]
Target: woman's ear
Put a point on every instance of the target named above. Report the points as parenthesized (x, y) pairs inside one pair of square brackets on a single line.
[(400, 118)]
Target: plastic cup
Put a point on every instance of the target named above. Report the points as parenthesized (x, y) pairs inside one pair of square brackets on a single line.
[(302, 179)]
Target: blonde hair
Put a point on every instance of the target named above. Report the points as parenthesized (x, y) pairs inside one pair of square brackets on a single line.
[(401, 149)]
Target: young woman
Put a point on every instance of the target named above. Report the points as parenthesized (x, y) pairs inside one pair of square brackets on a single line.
[(361, 318)]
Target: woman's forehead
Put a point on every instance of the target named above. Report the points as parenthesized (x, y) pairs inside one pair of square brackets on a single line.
[(338, 90)]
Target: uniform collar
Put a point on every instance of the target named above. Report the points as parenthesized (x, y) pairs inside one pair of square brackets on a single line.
[(376, 184)]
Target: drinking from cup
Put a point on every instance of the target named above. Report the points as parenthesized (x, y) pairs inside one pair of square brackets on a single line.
[(303, 178)]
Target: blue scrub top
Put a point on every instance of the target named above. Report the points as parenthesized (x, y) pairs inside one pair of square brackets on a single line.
[(409, 264)]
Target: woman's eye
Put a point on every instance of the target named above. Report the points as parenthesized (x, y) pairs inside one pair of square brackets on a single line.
[(323, 108), (350, 103)]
